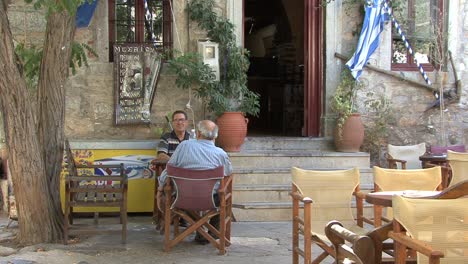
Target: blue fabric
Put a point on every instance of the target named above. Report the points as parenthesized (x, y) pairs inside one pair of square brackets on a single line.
[(198, 154), (85, 13), (369, 39)]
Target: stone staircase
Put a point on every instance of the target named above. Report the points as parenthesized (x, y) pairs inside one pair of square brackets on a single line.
[(262, 180)]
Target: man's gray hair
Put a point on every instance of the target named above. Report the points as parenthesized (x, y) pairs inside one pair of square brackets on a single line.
[(207, 131)]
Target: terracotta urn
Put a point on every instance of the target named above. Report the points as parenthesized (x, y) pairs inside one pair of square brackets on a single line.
[(232, 131), (352, 134)]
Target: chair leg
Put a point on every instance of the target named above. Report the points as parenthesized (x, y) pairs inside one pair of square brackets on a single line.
[(295, 233), (123, 219), (66, 224), (167, 230), (96, 218), (222, 231)]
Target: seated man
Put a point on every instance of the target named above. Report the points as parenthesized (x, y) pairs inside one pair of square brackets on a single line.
[(169, 141), (198, 154)]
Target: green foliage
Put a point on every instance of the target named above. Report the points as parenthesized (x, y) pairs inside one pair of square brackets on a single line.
[(58, 6), (79, 56), (231, 92), (31, 57), (343, 101), (31, 62), (376, 129)]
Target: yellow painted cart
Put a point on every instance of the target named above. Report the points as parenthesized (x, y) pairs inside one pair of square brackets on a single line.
[(135, 155)]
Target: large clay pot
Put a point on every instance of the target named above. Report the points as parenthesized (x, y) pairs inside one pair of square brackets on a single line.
[(352, 135), (232, 131)]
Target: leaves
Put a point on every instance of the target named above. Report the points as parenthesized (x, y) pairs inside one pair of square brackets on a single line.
[(231, 92), (31, 57), (31, 63)]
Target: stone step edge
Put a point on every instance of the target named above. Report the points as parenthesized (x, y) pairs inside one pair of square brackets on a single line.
[(281, 187), (297, 153), (269, 138), (288, 169), (277, 205)]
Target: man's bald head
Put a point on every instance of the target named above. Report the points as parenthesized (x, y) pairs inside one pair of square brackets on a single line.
[(207, 129)]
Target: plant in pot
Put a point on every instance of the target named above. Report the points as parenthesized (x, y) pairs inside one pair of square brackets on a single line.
[(349, 130), (228, 98), (377, 122)]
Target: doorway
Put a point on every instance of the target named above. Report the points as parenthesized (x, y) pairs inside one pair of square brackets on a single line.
[(274, 35)]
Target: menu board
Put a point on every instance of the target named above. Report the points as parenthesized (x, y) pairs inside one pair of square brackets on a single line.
[(136, 71)]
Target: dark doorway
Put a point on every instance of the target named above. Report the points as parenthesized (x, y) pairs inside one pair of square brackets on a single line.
[(274, 35)]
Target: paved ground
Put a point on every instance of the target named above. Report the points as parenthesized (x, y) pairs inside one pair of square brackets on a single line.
[(252, 242)]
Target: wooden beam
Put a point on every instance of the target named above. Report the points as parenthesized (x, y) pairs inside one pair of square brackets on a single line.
[(389, 73)]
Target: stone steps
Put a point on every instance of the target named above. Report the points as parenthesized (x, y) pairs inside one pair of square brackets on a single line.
[(286, 143), (262, 178), (297, 158)]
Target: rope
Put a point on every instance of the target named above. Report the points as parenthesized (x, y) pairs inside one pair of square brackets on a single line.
[(407, 45)]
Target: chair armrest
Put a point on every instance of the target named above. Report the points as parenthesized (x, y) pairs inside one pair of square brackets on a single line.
[(227, 182), (300, 197), (360, 195), (362, 250), (415, 244)]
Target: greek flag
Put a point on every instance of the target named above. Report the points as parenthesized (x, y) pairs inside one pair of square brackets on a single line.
[(369, 40)]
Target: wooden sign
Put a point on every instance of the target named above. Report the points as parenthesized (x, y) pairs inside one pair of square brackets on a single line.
[(136, 72)]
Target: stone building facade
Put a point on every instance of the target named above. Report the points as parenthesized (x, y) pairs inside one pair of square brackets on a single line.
[(413, 121), (90, 93)]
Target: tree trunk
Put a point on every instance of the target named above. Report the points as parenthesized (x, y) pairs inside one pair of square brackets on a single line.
[(32, 147), (51, 98)]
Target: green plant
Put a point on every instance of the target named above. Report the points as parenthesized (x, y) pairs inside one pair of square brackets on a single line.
[(343, 101), (31, 59), (230, 93), (380, 115)]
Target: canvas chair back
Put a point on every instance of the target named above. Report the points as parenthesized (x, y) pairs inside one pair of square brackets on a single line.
[(443, 150), (331, 192), (409, 153), (458, 161), (441, 223), (194, 188), (400, 180)]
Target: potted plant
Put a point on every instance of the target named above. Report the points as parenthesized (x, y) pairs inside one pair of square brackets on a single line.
[(229, 98), (349, 130)]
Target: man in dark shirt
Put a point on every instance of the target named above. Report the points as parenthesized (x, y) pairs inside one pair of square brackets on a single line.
[(171, 140)]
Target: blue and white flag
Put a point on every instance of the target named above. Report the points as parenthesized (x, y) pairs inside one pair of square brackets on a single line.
[(369, 40)]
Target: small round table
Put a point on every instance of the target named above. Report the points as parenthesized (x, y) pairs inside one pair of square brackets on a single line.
[(437, 159), (380, 198), (385, 198)]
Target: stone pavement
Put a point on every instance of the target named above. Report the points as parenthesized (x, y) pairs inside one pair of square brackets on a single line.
[(252, 242)]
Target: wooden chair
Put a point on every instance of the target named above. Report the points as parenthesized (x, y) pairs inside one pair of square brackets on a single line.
[(385, 180), (196, 203), (84, 189), (433, 226), (326, 195), (458, 162), (405, 157), (362, 250), (158, 166)]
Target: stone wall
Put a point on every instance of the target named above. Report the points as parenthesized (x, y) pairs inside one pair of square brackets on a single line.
[(90, 93), (414, 121)]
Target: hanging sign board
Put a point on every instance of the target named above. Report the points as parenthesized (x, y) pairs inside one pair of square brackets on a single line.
[(136, 72)]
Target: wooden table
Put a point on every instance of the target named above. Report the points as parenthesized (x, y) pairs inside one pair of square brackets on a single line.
[(437, 159), (429, 160), (385, 198)]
